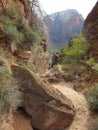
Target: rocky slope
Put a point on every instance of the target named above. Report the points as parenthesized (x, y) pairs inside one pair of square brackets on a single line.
[(90, 30), (23, 30), (17, 45), (27, 100), (63, 25), (82, 116), (33, 103)]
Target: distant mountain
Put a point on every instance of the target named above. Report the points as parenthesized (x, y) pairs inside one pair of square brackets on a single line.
[(63, 25)]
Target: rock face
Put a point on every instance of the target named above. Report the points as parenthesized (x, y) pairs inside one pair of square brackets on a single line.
[(24, 15), (90, 31), (63, 25), (24, 12), (16, 121), (48, 108), (24, 5)]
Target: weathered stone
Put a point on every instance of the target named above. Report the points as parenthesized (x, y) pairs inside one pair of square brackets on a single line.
[(55, 59), (16, 121), (49, 109), (90, 31), (23, 55), (27, 16)]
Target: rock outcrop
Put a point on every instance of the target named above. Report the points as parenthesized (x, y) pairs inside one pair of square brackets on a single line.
[(24, 19), (48, 108), (63, 25), (90, 31), (24, 7), (16, 121)]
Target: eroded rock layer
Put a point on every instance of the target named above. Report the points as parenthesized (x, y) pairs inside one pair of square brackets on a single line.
[(49, 109)]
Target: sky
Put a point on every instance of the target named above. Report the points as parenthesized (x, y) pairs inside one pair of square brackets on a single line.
[(82, 6)]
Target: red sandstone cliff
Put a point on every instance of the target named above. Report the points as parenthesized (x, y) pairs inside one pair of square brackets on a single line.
[(90, 30)]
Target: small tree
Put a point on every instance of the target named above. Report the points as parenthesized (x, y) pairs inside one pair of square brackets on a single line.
[(74, 50)]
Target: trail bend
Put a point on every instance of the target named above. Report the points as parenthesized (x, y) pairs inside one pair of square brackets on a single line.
[(81, 119)]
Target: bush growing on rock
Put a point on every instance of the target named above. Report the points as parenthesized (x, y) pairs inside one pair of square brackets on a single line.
[(16, 29), (90, 62), (92, 96), (9, 29), (10, 96), (31, 36), (17, 33), (71, 56), (74, 50)]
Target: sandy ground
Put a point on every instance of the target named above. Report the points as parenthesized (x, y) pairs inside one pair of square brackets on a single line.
[(81, 119)]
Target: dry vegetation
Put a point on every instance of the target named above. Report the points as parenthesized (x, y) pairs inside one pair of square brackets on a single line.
[(10, 96)]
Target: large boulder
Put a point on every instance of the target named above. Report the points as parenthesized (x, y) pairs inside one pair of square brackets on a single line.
[(48, 108)]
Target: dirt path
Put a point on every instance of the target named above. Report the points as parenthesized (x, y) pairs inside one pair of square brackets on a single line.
[(82, 109)]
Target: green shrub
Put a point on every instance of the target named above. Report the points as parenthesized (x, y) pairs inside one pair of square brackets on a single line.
[(16, 30), (10, 30), (20, 24), (17, 33), (90, 62), (71, 56), (74, 50), (95, 67), (5, 21), (30, 37), (9, 92), (92, 96)]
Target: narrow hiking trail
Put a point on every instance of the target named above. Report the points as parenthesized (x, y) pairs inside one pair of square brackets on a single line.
[(81, 119)]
